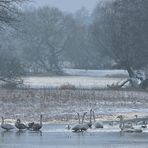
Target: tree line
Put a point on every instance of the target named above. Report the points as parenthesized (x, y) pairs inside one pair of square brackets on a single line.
[(46, 40)]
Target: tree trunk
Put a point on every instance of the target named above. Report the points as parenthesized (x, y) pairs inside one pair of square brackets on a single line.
[(144, 84)]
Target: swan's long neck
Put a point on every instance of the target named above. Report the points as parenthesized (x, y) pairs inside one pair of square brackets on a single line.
[(136, 119), (90, 116), (122, 123), (94, 116), (78, 117), (2, 121), (41, 120), (83, 117)]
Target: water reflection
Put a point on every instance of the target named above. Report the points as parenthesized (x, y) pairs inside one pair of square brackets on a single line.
[(6, 133), (56, 137)]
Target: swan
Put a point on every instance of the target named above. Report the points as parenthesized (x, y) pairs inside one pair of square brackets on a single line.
[(97, 124), (90, 119), (143, 123), (123, 127), (37, 126), (6, 126), (136, 122), (84, 126), (77, 127), (30, 125), (67, 127), (128, 128), (20, 125)]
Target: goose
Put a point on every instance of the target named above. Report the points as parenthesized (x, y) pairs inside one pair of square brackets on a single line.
[(37, 126), (97, 124), (6, 126), (77, 127), (20, 125)]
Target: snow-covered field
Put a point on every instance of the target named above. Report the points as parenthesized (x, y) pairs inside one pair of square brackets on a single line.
[(94, 73), (59, 105), (77, 81), (78, 78)]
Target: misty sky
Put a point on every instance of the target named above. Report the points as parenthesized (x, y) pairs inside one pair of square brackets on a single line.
[(67, 5)]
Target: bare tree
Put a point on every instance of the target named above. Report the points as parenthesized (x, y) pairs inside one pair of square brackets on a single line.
[(121, 31), (44, 35), (9, 11)]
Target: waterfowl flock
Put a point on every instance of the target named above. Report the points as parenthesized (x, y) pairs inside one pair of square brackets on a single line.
[(21, 126), (131, 125)]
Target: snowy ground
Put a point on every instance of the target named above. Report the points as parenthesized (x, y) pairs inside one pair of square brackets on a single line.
[(62, 105), (95, 73), (77, 81), (58, 105), (78, 78)]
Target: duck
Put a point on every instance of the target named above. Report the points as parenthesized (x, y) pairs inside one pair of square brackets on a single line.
[(5, 126), (20, 125)]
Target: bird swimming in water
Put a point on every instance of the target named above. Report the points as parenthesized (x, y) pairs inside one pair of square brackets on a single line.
[(6, 126), (20, 125)]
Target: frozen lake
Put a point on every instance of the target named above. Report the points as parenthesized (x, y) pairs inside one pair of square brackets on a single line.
[(53, 136)]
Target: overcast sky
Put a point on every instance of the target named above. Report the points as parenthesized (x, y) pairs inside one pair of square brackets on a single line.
[(66, 5)]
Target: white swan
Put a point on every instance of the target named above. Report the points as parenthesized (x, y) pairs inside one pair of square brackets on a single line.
[(6, 126), (84, 126), (128, 128), (90, 119), (77, 127), (97, 124)]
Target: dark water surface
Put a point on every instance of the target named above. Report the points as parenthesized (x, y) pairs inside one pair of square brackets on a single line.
[(54, 136)]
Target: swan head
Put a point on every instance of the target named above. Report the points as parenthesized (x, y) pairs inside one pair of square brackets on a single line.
[(85, 113), (78, 114), (120, 117), (18, 121)]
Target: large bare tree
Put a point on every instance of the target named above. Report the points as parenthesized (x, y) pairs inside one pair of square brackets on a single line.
[(120, 29)]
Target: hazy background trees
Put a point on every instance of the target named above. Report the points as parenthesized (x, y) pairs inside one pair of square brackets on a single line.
[(11, 68), (57, 40), (120, 28), (43, 34), (46, 40)]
